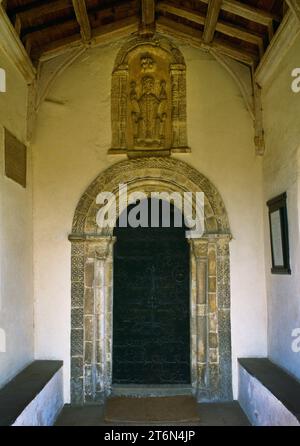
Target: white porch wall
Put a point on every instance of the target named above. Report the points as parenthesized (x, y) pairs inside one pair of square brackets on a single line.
[(70, 147), (281, 173), (16, 268)]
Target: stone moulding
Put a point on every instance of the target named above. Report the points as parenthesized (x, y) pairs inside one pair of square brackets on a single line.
[(156, 174), (92, 282)]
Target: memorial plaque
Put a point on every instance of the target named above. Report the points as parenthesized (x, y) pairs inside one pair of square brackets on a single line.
[(15, 159)]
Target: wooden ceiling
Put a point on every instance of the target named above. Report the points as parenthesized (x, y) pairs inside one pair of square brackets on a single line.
[(241, 29)]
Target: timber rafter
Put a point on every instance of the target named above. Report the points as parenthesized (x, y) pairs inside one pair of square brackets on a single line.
[(240, 29)]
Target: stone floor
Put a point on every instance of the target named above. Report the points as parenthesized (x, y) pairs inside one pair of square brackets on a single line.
[(217, 414)]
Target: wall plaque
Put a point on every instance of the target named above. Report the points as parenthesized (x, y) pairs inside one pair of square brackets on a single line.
[(15, 159)]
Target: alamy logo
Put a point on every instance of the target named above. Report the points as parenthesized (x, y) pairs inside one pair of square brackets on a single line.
[(296, 341), (188, 210), (295, 86), (2, 81)]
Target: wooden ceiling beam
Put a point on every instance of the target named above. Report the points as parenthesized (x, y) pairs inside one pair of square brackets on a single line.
[(147, 26), (240, 33), (83, 19), (235, 53), (103, 34), (148, 12), (115, 30), (18, 25), (253, 14), (248, 12), (223, 27), (34, 13), (185, 13), (195, 37), (167, 25), (38, 11), (47, 31), (48, 28), (32, 37), (212, 16), (294, 6)]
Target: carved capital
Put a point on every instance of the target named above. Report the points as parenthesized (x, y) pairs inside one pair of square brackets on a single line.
[(199, 247), (103, 246), (223, 246), (100, 244)]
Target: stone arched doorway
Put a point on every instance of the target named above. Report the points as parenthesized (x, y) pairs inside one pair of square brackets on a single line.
[(92, 282)]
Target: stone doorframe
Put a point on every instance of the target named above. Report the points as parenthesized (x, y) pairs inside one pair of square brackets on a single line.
[(92, 283)]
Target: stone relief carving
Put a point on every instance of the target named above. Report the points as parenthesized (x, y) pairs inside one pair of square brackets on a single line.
[(149, 113), (149, 99)]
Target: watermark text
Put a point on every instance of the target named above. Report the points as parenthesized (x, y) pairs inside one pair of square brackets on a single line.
[(132, 210)]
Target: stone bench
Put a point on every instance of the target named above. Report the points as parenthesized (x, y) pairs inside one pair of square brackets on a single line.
[(268, 395), (34, 397)]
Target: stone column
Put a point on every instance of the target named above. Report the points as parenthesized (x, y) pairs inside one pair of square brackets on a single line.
[(213, 336), (224, 323), (91, 265), (77, 320), (96, 383), (103, 309), (199, 251), (119, 107), (178, 83)]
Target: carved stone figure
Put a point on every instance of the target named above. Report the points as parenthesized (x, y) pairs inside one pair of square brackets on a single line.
[(162, 112), (148, 113), (135, 113)]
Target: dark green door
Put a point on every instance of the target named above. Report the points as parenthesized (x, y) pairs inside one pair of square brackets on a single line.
[(151, 330)]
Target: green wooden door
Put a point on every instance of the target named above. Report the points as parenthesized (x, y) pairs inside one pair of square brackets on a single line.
[(151, 328)]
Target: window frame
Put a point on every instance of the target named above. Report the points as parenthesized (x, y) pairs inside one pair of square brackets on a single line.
[(276, 204)]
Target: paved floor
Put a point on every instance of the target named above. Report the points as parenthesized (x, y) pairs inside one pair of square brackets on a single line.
[(216, 414)]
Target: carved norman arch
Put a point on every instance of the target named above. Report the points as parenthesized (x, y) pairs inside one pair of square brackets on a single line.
[(92, 282), (148, 98)]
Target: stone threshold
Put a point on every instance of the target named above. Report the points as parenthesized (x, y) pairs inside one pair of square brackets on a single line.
[(151, 390)]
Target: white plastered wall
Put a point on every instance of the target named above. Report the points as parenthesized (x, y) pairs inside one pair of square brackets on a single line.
[(16, 269), (70, 145), (282, 174)]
